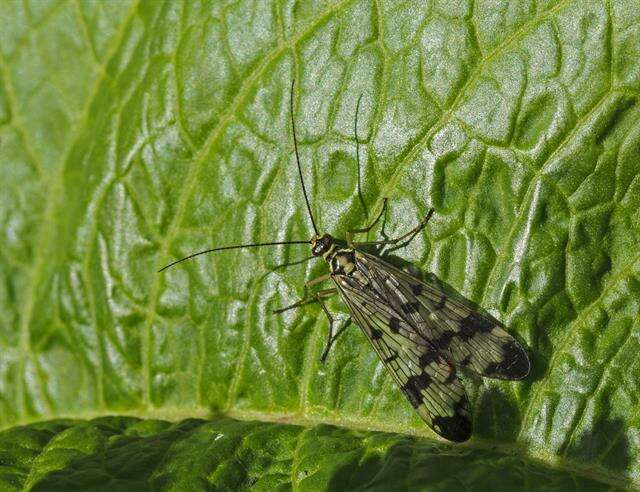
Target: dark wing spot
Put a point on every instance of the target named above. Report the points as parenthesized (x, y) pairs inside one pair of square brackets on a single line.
[(410, 307), (473, 324), (417, 289), (414, 386), (456, 428), (444, 340), (515, 364), (483, 324), (441, 303), (375, 334), (394, 324), (467, 328), (451, 377), (391, 358), (428, 357), (492, 370), (414, 399)]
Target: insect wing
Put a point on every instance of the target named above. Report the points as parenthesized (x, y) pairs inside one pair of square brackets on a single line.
[(428, 381), (463, 335)]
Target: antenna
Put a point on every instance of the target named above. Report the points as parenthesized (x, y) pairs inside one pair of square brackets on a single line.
[(276, 243), (355, 133), (295, 146), (239, 246)]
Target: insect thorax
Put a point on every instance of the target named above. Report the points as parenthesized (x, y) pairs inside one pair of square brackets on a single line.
[(342, 261)]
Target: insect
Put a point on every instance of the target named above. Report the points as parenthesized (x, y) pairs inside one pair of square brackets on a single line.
[(421, 335)]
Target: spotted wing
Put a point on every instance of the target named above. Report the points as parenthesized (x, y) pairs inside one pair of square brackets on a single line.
[(460, 333), (428, 381)]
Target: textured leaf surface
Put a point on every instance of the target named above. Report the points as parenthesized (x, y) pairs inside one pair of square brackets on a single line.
[(116, 453), (135, 133)]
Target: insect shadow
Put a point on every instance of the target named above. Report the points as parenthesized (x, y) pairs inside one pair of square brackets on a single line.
[(412, 460), (604, 444), (497, 417)]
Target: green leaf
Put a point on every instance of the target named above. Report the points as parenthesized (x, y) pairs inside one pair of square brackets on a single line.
[(133, 133), (116, 453)]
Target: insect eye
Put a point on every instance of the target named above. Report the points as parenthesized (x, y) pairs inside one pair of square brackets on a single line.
[(322, 245), (318, 248)]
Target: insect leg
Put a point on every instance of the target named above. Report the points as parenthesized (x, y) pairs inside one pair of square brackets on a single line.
[(318, 297), (349, 235), (306, 299), (332, 338), (409, 234)]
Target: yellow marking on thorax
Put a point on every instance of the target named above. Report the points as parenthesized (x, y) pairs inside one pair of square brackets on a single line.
[(329, 252), (347, 265)]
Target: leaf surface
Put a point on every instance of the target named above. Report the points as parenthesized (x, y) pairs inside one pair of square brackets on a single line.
[(133, 133), (124, 453)]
